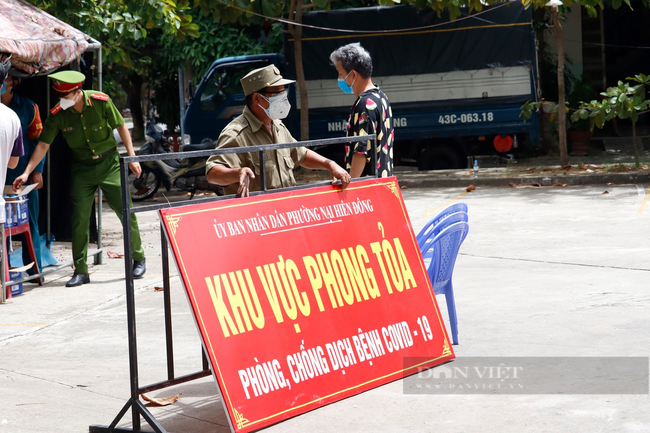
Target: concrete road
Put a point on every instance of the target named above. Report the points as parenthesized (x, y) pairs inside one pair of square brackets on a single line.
[(543, 272)]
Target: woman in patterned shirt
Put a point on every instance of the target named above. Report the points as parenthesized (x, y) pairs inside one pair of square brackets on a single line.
[(370, 113)]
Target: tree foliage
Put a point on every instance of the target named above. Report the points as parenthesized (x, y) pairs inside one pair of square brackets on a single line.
[(591, 7), (123, 28), (118, 24), (213, 42), (146, 41), (625, 100)]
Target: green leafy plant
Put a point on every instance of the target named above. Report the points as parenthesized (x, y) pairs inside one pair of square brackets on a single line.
[(625, 101), (582, 91), (529, 108)]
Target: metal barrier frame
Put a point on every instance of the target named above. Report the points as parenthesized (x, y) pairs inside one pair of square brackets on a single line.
[(137, 407)]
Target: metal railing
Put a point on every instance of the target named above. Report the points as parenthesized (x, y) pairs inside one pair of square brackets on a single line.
[(137, 407)]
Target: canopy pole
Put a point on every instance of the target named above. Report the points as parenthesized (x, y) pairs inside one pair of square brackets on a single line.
[(98, 257), (48, 189)]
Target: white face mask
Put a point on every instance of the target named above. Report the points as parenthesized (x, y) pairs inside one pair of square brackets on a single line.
[(67, 103), (279, 106)]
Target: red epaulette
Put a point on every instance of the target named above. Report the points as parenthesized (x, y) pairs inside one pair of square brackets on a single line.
[(100, 96), (56, 109)]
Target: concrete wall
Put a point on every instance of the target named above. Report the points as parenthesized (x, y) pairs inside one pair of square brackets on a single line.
[(572, 27)]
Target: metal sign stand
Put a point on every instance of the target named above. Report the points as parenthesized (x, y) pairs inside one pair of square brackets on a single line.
[(137, 407)]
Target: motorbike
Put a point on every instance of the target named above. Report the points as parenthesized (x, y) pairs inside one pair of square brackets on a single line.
[(184, 174)]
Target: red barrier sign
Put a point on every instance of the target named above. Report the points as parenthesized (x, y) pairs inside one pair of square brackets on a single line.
[(306, 297)]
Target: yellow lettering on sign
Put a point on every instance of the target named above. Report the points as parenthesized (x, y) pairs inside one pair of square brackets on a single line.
[(225, 320), (355, 276), (368, 275), (376, 248), (250, 297), (409, 280), (270, 281), (327, 273), (286, 295), (290, 275), (342, 277), (392, 265), (236, 301), (314, 279)]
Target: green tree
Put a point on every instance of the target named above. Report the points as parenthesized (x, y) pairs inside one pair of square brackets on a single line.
[(123, 27), (119, 23), (213, 42), (231, 11)]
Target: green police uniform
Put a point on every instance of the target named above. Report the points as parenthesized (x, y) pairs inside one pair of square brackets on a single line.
[(95, 164)]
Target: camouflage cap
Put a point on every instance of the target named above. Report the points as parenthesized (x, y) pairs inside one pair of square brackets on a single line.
[(259, 79)]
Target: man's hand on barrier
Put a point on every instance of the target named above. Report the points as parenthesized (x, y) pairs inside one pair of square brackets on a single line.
[(135, 168), (245, 176), (317, 162), (339, 174)]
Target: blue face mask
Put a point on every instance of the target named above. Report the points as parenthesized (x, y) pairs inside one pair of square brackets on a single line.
[(2, 91), (344, 86)]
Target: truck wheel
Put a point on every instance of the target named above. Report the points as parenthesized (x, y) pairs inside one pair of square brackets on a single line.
[(440, 158)]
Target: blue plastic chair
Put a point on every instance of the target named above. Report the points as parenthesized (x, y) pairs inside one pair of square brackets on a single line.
[(454, 208), (425, 242), (441, 257)]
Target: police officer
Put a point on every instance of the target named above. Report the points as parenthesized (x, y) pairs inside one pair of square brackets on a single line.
[(260, 123), (87, 118)]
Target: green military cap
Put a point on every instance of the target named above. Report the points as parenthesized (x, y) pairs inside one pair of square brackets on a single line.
[(67, 81), (261, 78)]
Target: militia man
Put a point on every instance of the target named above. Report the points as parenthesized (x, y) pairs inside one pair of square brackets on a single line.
[(261, 123), (86, 118)]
